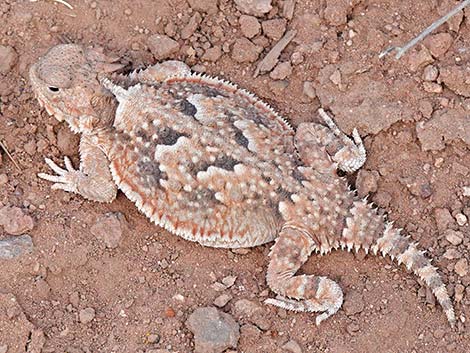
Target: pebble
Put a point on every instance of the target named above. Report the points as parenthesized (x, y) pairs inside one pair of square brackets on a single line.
[(366, 182), (309, 90), (153, 338), (439, 43), (15, 246), (292, 346), (108, 229), (281, 71), (336, 12), (244, 51), (162, 46), (455, 77), (15, 221), (222, 300), (254, 7), (214, 331), (353, 303), (253, 312), (454, 237), (432, 87), (229, 281), (461, 219), (249, 26), (459, 292), (8, 59), (87, 315), (452, 254), (275, 28), (461, 267), (430, 73)]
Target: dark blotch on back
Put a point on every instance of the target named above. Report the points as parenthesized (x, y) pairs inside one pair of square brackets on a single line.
[(283, 193), (187, 108), (150, 172), (222, 162), (240, 138), (168, 136), (297, 175)]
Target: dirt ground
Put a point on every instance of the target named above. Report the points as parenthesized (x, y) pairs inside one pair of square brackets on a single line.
[(102, 278)]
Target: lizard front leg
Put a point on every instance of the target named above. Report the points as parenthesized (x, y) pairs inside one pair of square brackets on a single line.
[(93, 180)]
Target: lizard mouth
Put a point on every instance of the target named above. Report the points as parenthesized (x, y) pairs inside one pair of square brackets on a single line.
[(58, 115)]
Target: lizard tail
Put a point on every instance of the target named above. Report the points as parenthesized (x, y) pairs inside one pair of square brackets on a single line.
[(367, 229)]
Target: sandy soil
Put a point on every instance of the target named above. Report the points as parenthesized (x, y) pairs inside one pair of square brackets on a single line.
[(102, 278)]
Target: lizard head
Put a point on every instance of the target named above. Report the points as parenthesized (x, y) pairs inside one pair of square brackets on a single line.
[(66, 83)]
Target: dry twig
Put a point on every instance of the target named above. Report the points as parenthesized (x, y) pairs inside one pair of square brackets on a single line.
[(63, 2), (402, 50), (2, 145)]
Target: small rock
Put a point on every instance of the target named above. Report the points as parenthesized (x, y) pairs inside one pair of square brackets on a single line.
[(439, 43), (353, 303), (418, 59), (8, 59), (244, 51), (253, 312), (335, 77), (3, 179), (222, 300), (366, 182), (212, 54), (67, 141), (12, 247), (249, 26), (452, 254), (444, 219), (229, 281), (459, 291), (292, 346), (430, 73), (274, 29), (15, 221), (281, 71), (297, 58), (352, 328), (336, 12), (162, 46), (108, 229), (309, 90), (454, 237), (210, 7), (87, 315), (456, 78), (439, 333), (254, 7), (214, 331), (432, 87), (461, 267), (153, 338), (461, 219), (192, 26)]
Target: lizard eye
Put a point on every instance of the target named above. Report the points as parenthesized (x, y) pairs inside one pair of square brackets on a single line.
[(53, 89)]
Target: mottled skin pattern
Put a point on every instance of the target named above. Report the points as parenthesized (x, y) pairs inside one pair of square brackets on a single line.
[(213, 164)]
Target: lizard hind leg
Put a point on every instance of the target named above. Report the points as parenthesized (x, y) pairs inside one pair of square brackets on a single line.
[(306, 293)]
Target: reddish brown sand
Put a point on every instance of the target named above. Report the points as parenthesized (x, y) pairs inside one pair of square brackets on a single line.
[(133, 288)]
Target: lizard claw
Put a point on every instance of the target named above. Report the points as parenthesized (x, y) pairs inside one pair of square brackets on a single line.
[(67, 179)]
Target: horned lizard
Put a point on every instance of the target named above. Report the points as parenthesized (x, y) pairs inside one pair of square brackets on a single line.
[(212, 163)]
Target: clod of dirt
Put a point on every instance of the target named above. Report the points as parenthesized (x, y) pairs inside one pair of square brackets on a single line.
[(162, 46), (214, 331), (192, 26), (444, 219), (207, 6), (281, 71), (445, 126), (249, 26), (430, 73), (212, 54), (15, 221), (461, 267), (420, 58), (253, 313), (336, 12), (87, 315), (275, 28), (432, 87), (254, 7), (353, 303), (244, 51), (456, 78), (222, 300), (309, 90), (8, 59), (292, 346), (439, 43), (67, 141), (366, 182), (108, 229), (12, 247)]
